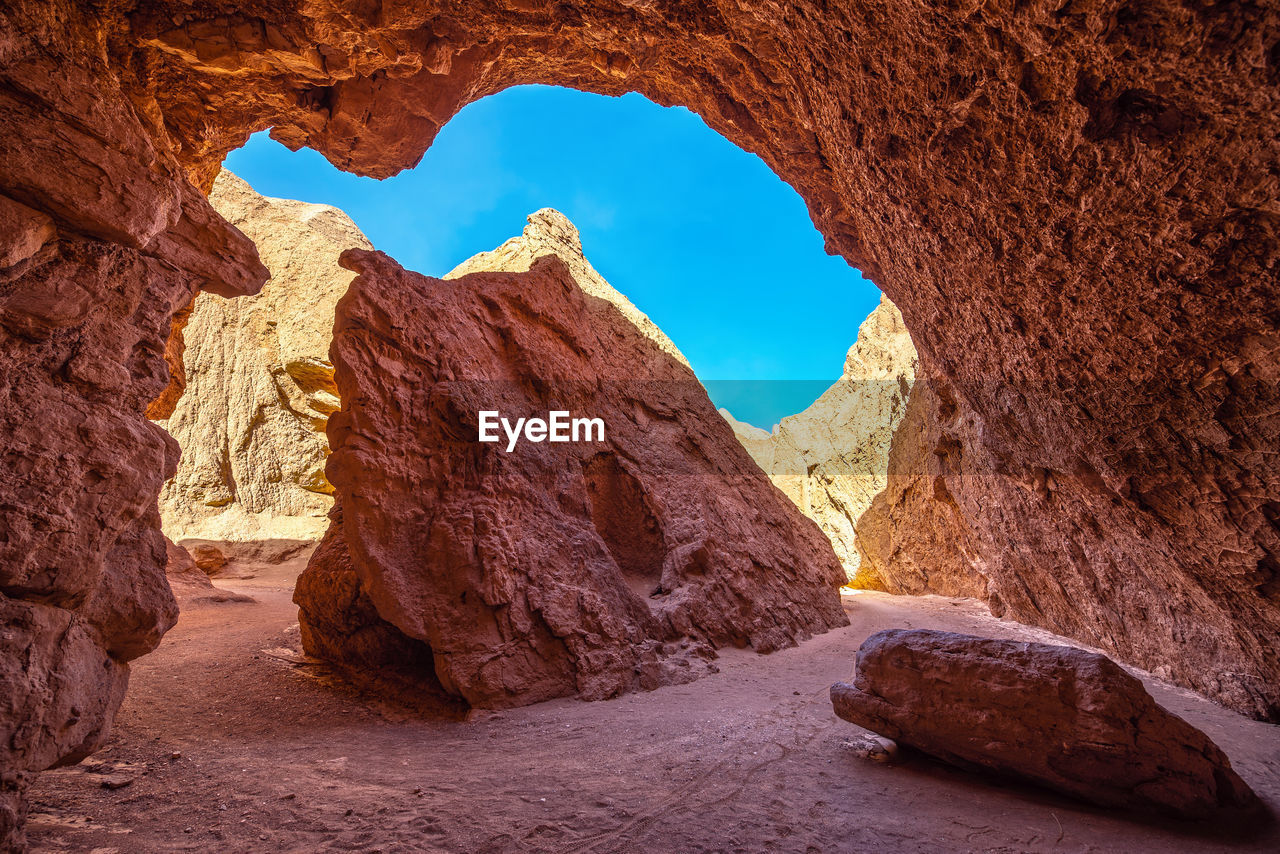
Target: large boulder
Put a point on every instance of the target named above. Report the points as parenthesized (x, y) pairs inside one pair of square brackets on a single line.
[(582, 568), (1062, 717), (832, 459)]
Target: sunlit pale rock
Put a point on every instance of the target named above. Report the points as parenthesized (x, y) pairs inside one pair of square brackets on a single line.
[(833, 458), (258, 382)]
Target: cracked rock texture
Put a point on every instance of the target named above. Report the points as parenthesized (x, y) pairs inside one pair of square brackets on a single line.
[(832, 459), (1055, 715), (583, 568), (259, 385), (1073, 205), (105, 239)]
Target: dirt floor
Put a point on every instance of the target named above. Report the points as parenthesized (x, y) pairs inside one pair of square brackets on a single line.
[(227, 743)]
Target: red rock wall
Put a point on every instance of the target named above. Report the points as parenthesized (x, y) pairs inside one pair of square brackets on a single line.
[(1074, 206), (103, 238), (551, 569)]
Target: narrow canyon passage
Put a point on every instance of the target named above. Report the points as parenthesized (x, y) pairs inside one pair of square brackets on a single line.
[(273, 757)]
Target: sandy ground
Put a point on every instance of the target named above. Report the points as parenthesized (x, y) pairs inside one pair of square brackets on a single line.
[(227, 744)]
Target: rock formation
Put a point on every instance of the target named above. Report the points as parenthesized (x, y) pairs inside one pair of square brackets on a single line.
[(253, 385), (549, 232), (182, 570), (546, 569), (832, 459), (1073, 207), (1062, 717), (258, 383)]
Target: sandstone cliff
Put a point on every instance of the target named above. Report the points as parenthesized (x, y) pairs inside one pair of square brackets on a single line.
[(832, 458), (550, 232), (914, 539), (259, 385)]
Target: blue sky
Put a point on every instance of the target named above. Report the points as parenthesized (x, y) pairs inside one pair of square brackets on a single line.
[(700, 235)]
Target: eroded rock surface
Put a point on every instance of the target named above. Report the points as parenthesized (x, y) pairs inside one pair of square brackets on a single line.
[(258, 383), (913, 538), (832, 459), (104, 240), (1073, 207), (1062, 717), (582, 568)]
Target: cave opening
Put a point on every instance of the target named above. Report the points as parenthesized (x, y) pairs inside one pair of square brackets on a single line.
[(991, 167), (704, 238)]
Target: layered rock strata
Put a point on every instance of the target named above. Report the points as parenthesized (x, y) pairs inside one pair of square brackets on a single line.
[(258, 383), (1073, 207), (832, 459), (547, 569), (1055, 715)]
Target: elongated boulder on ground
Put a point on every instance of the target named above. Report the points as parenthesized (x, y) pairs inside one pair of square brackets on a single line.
[(1065, 718), (583, 568), (832, 459)]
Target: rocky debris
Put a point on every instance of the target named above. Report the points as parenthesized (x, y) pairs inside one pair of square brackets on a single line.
[(582, 568), (259, 385), (208, 556), (1071, 720), (190, 581), (833, 458), (876, 748), (181, 567)]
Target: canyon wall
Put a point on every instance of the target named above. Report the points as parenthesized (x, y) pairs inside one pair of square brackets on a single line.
[(1074, 207), (832, 459), (541, 569), (550, 232), (913, 538), (103, 240), (258, 383)]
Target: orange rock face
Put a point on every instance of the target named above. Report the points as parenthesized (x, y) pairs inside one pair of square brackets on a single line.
[(583, 568), (1073, 207)]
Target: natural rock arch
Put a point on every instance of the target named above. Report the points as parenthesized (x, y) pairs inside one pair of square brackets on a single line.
[(1074, 205)]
